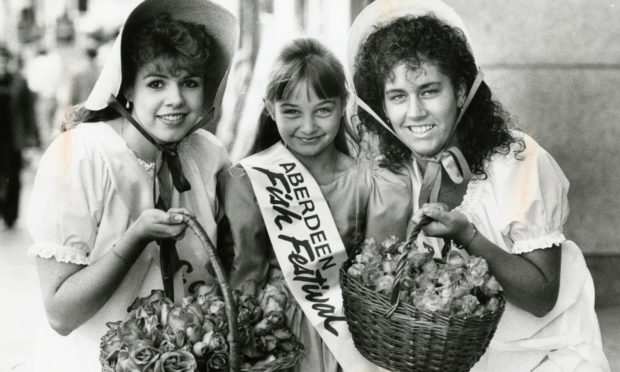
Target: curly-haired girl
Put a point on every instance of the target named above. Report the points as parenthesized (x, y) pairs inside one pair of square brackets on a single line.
[(421, 92)]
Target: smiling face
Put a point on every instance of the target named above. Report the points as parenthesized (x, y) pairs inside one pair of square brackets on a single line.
[(307, 124), (167, 103), (421, 104)]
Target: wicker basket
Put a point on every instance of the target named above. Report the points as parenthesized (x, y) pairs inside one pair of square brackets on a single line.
[(402, 337), (288, 361), (235, 357)]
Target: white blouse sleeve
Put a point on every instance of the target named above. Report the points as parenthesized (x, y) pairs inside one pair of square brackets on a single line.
[(531, 195), (66, 200)]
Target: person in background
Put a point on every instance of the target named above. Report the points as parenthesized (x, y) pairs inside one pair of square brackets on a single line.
[(83, 80), (43, 73), (109, 202), (18, 131), (491, 189)]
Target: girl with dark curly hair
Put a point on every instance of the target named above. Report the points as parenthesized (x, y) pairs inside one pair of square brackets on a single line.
[(489, 188), (111, 193)]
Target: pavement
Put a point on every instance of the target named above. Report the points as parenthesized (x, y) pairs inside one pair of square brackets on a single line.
[(23, 309)]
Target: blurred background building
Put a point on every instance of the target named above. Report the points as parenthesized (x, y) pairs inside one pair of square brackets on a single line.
[(554, 64)]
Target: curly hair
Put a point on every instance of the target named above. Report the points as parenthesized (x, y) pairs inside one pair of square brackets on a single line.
[(485, 127), (171, 45), (303, 59)]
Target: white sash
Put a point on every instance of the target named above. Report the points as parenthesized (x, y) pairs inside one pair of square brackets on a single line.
[(307, 244)]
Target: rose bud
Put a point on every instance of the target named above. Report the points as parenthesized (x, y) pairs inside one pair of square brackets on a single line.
[(269, 342), (282, 334), (249, 288), (178, 319), (355, 270), (385, 284), (244, 316), (493, 304), (431, 269), (217, 307), (275, 317), (491, 286), (262, 327), (194, 332), (273, 292), (390, 244), (214, 341), (204, 291), (167, 345), (287, 346), (273, 305), (196, 313), (207, 326), (179, 337), (186, 301)]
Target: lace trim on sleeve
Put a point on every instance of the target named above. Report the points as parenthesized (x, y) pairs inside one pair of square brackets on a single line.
[(61, 253), (529, 245)]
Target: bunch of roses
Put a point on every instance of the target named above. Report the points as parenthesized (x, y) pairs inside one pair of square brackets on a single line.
[(161, 336), (460, 285), (264, 334)]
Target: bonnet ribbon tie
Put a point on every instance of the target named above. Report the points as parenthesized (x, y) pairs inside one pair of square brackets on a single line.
[(168, 255), (450, 158), (169, 151)]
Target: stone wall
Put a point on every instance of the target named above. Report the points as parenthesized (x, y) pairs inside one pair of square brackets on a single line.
[(555, 65)]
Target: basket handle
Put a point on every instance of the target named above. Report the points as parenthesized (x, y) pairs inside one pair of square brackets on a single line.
[(413, 232), (234, 353)]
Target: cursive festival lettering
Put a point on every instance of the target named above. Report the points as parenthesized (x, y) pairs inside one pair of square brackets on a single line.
[(307, 245), (311, 255)]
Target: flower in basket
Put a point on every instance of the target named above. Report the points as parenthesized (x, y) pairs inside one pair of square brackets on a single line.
[(138, 358), (460, 285), (176, 361), (159, 335), (218, 361)]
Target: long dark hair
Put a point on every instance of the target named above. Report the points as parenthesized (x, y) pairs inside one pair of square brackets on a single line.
[(176, 45), (304, 59), (485, 127)]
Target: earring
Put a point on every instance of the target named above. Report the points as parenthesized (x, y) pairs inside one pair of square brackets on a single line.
[(128, 105)]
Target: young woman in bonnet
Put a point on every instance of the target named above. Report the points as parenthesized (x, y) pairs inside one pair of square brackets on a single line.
[(489, 188), (122, 176)]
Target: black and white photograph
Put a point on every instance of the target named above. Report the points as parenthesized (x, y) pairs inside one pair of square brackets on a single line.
[(309, 185)]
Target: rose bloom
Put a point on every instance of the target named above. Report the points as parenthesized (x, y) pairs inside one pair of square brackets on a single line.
[(218, 361), (139, 358), (176, 361)]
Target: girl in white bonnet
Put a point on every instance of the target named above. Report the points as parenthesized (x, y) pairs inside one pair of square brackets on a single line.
[(489, 188), (111, 192)]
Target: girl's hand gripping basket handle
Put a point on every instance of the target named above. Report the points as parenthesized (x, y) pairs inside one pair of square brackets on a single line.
[(225, 288)]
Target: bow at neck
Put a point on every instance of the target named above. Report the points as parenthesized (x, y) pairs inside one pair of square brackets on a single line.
[(450, 158), (169, 151)]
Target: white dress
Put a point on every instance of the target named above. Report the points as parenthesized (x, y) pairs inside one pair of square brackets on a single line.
[(522, 206), (88, 190)]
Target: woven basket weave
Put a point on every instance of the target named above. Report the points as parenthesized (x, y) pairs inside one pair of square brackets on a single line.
[(235, 357), (402, 337), (413, 339)]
